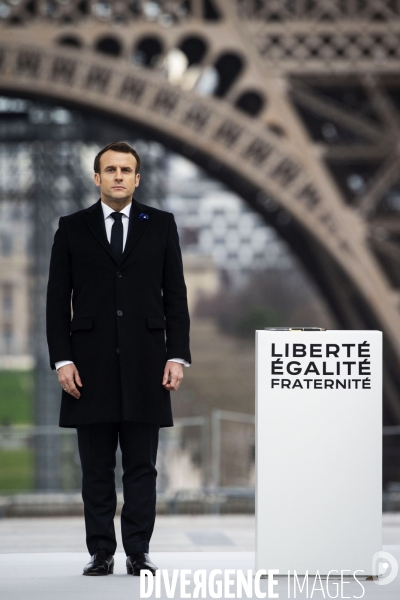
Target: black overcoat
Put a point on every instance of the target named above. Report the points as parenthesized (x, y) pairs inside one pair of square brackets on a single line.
[(128, 316)]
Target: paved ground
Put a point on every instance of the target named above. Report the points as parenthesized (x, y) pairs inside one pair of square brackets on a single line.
[(42, 559), (171, 534), (57, 576), (203, 533)]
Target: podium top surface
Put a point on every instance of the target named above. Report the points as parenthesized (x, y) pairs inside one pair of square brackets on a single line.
[(315, 330)]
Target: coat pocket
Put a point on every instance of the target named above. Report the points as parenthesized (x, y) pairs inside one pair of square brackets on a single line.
[(156, 323), (78, 323)]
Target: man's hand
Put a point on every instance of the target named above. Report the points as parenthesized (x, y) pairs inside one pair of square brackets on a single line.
[(68, 377), (173, 375)]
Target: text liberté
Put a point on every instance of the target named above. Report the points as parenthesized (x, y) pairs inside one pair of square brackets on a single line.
[(322, 366)]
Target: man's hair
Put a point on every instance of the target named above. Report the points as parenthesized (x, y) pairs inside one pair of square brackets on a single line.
[(117, 147)]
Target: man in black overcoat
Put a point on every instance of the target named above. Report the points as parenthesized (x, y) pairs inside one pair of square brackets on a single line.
[(117, 325)]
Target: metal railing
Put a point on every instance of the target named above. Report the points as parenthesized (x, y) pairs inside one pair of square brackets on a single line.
[(193, 457), (189, 455)]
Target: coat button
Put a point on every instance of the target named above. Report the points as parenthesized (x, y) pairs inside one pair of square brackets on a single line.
[(119, 313), (119, 274)]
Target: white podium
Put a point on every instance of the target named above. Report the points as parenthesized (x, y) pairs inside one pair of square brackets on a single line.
[(318, 450)]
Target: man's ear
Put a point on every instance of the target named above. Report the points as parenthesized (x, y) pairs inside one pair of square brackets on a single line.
[(97, 179)]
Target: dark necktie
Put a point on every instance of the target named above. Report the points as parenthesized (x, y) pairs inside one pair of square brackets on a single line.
[(117, 234)]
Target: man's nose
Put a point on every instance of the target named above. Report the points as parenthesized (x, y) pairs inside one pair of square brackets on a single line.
[(118, 174)]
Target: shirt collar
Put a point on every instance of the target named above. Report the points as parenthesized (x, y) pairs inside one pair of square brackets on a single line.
[(107, 210)]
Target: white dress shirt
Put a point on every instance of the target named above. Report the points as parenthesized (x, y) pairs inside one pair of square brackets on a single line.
[(109, 221)]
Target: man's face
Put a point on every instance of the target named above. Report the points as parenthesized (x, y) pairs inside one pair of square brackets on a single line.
[(117, 180)]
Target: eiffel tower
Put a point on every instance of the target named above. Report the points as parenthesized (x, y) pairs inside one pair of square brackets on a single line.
[(294, 104)]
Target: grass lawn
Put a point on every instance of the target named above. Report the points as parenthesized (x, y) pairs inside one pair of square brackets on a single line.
[(16, 407), (16, 470), (16, 397)]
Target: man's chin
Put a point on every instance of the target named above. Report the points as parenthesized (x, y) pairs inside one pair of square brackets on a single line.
[(119, 195)]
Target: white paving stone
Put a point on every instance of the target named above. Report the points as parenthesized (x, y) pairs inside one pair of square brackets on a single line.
[(43, 558)]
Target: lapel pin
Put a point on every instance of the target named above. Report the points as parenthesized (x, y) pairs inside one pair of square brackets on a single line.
[(143, 216)]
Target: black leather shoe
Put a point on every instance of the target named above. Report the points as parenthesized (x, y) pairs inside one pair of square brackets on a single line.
[(138, 561), (101, 563)]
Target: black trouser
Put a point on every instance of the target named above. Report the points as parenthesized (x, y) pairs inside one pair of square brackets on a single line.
[(98, 444)]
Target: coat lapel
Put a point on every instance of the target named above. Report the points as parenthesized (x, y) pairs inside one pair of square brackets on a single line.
[(94, 218), (136, 227)]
